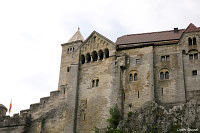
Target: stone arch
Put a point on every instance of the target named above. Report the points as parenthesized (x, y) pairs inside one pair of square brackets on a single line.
[(106, 52), (82, 59), (93, 83), (97, 82), (100, 55), (130, 77), (164, 74), (167, 75), (94, 56), (88, 57), (133, 76), (161, 75)]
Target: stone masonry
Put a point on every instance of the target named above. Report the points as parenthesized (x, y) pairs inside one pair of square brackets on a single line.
[(161, 68)]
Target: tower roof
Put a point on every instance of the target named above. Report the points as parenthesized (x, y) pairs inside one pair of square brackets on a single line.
[(76, 37), (191, 28)]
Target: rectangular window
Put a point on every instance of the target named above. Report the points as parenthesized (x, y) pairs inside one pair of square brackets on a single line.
[(68, 69), (127, 60), (196, 56), (194, 72), (137, 61), (193, 56), (165, 58), (162, 58), (190, 56)]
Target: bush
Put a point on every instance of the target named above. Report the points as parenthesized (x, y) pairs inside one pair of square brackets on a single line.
[(114, 117)]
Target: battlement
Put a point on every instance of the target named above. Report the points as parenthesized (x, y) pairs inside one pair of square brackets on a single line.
[(8, 121)]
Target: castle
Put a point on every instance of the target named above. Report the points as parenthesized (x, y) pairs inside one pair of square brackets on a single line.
[(96, 74)]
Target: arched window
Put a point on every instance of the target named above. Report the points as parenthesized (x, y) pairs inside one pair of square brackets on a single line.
[(189, 41), (166, 75), (106, 51), (88, 57), (93, 83), (94, 56), (194, 41), (97, 82), (161, 75), (100, 55), (135, 77), (131, 77), (82, 59)]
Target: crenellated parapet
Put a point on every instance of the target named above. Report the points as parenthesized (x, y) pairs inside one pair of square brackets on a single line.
[(15, 120)]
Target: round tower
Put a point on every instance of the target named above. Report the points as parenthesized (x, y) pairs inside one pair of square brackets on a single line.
[(3, 110)]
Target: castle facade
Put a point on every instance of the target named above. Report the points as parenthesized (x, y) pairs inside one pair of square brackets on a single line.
[(97, 74)]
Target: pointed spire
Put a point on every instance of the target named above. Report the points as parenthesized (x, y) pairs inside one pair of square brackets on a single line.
[(191, 28), (76, 37)]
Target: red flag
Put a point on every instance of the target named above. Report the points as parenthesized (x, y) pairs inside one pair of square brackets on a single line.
[(10, 106)]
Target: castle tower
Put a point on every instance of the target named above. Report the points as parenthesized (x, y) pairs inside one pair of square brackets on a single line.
[(70, 56), (3, 110), (68, 80)]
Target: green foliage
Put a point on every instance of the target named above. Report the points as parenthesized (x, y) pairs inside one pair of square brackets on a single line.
[(114, 117), (130, 114), (96, 130), (113, 121), (112, 130)]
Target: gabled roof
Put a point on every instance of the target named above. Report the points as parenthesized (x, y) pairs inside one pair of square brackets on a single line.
[(149, 37), (191, 28), (153, 37), (94, 32), (76, 37)]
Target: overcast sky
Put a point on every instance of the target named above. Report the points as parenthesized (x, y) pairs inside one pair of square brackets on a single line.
[(31, 32)]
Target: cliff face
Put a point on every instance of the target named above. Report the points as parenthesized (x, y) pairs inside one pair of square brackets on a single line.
[(164, 118)]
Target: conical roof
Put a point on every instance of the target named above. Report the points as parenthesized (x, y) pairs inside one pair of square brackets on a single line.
[(76, 37)]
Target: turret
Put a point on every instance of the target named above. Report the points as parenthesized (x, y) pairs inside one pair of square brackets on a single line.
[(69, 57), (3, 110)]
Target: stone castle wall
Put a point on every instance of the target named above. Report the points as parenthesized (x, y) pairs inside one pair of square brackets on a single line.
[(130, 78)]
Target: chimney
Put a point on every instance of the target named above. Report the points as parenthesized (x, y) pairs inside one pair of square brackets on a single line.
[(175, 30)]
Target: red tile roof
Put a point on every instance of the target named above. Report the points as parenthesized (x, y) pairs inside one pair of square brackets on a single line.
[(154, 36), (149, 37), (191, 28)]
